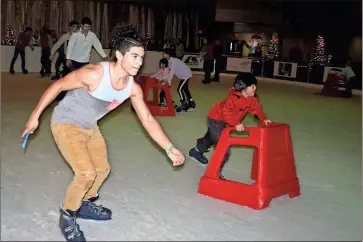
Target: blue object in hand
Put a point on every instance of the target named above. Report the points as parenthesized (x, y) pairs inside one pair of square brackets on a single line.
[(23, 145)]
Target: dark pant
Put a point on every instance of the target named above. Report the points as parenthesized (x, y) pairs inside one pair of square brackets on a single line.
[(211, 138), (18, 51), (61, 60), (218, 68), (45, 61), (208, 69), (162, 96), (183, 90), (76, 65), (349, 84)]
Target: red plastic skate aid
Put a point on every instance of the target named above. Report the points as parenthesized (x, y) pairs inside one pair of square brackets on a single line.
[(142, 80), (155, 109), (147, 83), (273, 168), (335, 86)]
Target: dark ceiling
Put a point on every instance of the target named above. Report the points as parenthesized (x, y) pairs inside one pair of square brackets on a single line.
[(327, 17), (309, 17), (303, 17)]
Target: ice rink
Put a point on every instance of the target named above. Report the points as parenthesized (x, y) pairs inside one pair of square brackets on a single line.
[(151, 200)]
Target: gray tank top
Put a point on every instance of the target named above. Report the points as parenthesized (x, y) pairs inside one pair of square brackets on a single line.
[(84, 108)]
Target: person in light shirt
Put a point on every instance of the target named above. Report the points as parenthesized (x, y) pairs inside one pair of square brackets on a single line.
[(183, 72), (350, 77), (80, 45), (62, 45)]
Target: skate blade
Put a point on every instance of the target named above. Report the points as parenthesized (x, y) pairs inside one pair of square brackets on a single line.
[(196, 161)]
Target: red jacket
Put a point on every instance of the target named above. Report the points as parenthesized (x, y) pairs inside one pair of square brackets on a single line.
[(235, 107)]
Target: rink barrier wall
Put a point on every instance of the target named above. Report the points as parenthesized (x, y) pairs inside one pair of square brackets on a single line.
[(151, 65), (280, 81)]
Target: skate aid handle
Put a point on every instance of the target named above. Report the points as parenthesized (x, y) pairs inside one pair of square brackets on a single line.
[(260, 125)]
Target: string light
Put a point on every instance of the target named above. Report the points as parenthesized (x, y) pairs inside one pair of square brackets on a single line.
[(319, 53), (273, 49), (9, 38)]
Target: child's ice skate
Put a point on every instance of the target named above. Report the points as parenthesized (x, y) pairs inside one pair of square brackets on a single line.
[(183, 107), (180, 109), (191, 105), (90, 210), (162, 104), (69, 227), (199, 157)]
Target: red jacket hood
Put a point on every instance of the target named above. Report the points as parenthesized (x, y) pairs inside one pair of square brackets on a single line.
[(233, 91)]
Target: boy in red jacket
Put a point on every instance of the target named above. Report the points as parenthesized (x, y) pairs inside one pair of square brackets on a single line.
[(229, 112)]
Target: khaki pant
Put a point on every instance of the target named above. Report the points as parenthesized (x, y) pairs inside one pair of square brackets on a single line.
[(85, 151)]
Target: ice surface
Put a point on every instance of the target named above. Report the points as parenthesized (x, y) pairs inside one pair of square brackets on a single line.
[(151, 200)]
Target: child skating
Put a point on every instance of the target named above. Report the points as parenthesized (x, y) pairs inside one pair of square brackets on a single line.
[(183, 72), (229, 112), (162, 76)]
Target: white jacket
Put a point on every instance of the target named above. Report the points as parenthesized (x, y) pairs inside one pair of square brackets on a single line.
[(62, 40), (80, 45)]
